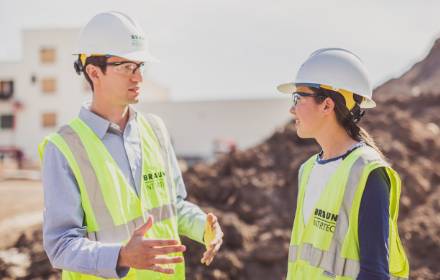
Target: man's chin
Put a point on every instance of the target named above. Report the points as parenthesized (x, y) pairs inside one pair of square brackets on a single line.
[(133, 100)]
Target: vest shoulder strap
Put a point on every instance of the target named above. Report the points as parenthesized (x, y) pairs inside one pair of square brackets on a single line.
[(371, 155), (160, 131), (163, 137)]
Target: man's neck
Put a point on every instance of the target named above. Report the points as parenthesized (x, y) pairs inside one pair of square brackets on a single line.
[(115, 114)]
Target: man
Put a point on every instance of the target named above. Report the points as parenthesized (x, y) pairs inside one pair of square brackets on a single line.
[(114, 194)]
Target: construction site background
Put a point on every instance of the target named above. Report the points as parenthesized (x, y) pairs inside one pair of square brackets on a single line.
[(253, 191)]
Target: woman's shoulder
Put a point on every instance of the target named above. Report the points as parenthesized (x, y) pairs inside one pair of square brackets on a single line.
[(368, 154)]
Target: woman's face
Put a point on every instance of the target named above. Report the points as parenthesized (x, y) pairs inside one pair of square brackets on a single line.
[(307, 114)]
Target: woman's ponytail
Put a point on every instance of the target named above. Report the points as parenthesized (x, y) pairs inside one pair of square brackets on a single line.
[(348, 119)]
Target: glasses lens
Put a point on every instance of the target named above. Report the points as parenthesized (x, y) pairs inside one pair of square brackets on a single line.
[(295, 98), (124, 68), (129, 68)]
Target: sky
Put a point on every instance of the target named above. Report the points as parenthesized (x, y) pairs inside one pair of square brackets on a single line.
[(224, 49)]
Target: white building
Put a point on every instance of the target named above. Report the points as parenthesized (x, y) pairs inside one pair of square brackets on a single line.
[(196, 127), (42, 92), (46, 92)]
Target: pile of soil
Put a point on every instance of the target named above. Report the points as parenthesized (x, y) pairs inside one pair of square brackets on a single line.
[(253, 192)]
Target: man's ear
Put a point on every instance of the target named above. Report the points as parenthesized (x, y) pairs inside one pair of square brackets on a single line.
[(94, 73)]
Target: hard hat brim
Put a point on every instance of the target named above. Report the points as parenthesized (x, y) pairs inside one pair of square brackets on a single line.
[(287, 88)]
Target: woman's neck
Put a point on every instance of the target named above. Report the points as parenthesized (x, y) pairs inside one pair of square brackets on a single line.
[(334, 142)]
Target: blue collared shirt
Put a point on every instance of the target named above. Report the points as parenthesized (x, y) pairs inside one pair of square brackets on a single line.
[(64, 233)]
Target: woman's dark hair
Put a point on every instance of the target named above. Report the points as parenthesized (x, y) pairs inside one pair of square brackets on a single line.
[(348, 119), (99, 61)]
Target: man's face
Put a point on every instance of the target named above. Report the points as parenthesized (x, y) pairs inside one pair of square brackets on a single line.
[(119, 85)]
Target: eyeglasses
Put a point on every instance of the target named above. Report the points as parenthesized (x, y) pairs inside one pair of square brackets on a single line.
[(127, 67), (296, 96)]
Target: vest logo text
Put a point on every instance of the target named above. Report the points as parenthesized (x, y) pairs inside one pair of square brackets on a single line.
[(154, 178), (324, 220)]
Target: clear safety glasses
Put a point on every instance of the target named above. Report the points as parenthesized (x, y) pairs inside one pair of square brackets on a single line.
[(296, 96), (127, 68)]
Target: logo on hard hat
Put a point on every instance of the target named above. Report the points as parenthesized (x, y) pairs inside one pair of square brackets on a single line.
[(137, 40)]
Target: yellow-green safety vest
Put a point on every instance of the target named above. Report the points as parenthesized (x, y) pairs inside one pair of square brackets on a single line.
[(112, 209), (327, 246)]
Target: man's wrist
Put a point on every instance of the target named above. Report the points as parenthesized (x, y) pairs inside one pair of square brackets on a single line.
[(122, 259)]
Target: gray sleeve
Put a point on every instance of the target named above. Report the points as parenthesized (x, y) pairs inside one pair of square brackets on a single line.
[(63, 230), (191, 219)]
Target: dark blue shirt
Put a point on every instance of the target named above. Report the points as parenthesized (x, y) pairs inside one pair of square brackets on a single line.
[(373, 227)]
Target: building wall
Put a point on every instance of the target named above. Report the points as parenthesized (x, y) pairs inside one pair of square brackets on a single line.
[(194, 126)]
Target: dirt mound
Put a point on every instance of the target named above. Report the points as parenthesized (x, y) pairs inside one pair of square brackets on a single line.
[(258, 188), (423, 76), (27, 259), (422, 235), (253, 192)]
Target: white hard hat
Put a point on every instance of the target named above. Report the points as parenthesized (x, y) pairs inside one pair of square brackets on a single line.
[(116, 34), (336, 69)]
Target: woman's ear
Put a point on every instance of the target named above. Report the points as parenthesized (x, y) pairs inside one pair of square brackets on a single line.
[(328, 105)]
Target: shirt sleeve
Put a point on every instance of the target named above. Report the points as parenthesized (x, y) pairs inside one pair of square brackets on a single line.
[(374, 227), (64, 235), (191, 219)]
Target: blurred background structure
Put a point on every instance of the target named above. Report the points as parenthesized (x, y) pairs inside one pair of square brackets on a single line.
[(215, 90)]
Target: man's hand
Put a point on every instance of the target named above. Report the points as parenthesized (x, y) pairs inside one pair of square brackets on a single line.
[(144, 253), (213, 238)]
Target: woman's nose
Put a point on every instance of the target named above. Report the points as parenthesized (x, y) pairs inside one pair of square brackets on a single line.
[(292, 110)]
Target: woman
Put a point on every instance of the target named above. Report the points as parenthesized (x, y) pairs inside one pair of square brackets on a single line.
[(348, 198)]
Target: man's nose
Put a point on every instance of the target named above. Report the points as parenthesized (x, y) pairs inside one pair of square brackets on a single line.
[(138, 76)]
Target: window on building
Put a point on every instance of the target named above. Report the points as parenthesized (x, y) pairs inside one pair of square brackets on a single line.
[(33, 79), (6, 89), (7, 121), (49, 119), (48, 85), (47, 55)]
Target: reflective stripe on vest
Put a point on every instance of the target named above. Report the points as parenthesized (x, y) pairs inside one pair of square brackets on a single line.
[(331, 260), (88, 174), (123, 232), (164, 142)]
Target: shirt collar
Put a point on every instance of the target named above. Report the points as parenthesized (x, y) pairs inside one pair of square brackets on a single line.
[(100, 125), (343, 156)]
